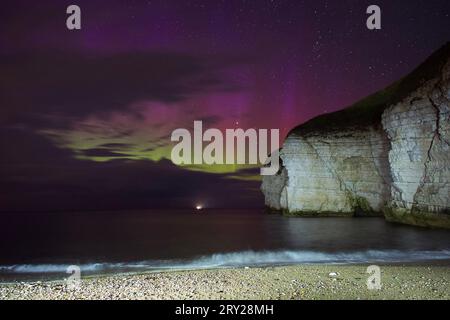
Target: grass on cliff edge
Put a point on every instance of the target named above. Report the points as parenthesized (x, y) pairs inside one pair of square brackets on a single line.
[(367, 112)]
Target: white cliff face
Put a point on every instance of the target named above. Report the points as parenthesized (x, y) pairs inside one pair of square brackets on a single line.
[(419, 131), (272, 189), (342, 174), (399, 167)]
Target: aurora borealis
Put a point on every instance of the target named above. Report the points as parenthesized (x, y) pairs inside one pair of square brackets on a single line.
[(86, 115)]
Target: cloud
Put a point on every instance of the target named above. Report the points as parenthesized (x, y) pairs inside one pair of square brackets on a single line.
[(115, 145), (54, 89), (82, 131), (35, 175), (99, 152)]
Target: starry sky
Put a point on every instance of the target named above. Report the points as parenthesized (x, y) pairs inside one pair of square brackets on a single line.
[(86, 115)]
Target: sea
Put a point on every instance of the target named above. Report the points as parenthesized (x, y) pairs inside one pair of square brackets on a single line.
[(42, 246)]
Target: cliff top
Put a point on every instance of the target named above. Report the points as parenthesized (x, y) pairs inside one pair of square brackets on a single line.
[(367, 112)]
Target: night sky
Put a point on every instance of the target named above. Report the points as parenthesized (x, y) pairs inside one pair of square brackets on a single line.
[(86, 115)]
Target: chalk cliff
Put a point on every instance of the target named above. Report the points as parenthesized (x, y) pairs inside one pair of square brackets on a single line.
[(388, 154)]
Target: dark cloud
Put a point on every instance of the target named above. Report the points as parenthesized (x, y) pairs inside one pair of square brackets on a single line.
[(53, 89), (99, 152), (115, 145), (23, 147), (37, 176)]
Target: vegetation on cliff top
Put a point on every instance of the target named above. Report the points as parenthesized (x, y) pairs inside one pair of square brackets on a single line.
[(367, 112)]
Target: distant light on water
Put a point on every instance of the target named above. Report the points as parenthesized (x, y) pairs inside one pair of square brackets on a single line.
[(199, 207)]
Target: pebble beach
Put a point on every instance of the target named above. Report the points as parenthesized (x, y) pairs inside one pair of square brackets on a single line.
[(299, 282)]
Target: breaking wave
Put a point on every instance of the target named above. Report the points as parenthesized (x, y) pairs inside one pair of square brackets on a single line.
[(239, 259)]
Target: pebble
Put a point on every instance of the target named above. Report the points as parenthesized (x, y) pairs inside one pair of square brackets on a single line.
[(333, 274), (253, 283)]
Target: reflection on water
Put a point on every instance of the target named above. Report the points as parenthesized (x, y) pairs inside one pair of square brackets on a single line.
[(182, 239)]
